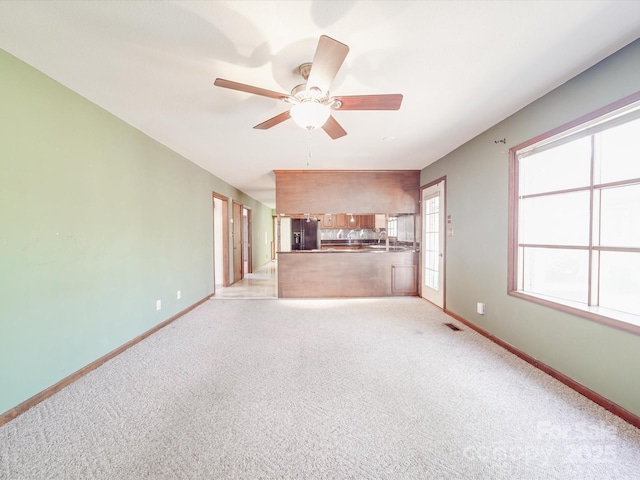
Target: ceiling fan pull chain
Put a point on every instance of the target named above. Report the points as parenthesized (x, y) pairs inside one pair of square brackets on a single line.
[(309, 145)]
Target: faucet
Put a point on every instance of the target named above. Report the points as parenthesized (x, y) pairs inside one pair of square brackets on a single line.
[(381, 234), (350, 234)]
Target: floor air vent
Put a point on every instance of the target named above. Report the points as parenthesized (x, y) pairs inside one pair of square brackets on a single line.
[(453, 327)]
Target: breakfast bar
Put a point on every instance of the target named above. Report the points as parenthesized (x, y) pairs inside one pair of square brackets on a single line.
[(347, 273)]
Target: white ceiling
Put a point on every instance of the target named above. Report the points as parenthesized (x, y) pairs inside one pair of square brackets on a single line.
[(462, 66)]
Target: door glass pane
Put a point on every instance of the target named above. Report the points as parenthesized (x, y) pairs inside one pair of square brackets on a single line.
[(620, 216), (432, 241), (620, 152), (620, 281), (559, 168), (557, 273), (561, 219)]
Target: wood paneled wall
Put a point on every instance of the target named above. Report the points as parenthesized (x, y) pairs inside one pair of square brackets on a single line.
[(351, 191)]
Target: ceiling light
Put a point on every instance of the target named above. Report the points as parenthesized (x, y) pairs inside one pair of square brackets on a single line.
[(309, 114)]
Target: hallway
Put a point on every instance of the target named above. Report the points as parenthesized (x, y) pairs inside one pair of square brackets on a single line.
[(259, 284)]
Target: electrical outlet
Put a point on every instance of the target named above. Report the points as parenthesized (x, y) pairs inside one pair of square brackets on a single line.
[(158, 304), (178, 295), (480, 308)]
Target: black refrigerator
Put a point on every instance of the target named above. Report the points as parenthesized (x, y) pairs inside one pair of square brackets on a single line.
[(304, 234)]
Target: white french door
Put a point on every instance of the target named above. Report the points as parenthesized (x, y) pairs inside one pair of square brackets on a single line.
[(433, 238)]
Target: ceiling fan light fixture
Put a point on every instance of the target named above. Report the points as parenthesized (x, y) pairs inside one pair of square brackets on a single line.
[(311, 101), (310, 114)]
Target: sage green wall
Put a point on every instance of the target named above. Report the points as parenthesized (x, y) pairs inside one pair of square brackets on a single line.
[(97, 222), (604, 359)]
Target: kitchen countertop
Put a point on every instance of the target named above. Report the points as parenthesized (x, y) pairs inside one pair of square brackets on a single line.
[(356, 249)]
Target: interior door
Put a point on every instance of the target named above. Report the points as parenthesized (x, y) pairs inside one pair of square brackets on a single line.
[(237, 242), (433, 243)]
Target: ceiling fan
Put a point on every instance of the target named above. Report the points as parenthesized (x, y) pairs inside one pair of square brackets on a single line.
[(312, 102)]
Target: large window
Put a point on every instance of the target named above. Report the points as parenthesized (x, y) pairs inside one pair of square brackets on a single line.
[(575, 218)]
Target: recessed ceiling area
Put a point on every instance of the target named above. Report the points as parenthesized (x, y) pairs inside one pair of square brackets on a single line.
[(461, 66)]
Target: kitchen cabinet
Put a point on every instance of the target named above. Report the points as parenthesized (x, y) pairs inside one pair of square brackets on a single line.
[(329, 220), (380, 221), (404, 279), (367, 221), (340, 220), (345, 220)]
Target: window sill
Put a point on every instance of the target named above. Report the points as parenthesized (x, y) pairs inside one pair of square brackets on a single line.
[(612, 318)]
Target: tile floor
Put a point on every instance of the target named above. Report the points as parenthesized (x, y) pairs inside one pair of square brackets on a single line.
[(259, 284)]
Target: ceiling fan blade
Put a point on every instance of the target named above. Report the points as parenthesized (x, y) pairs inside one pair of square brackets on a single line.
[(274, 121), (333, 128), (327, 61), (370, 102), (221, 82)]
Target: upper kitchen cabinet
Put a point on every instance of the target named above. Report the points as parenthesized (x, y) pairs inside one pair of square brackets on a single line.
[(341, 220), (367, 221), (364, 191), (326, 220), (346, 220), (335, 220)]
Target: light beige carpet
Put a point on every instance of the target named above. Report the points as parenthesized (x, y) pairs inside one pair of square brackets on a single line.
[(317, 389)]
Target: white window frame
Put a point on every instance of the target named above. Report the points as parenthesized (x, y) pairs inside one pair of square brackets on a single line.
[(600, 120), (392, 227)]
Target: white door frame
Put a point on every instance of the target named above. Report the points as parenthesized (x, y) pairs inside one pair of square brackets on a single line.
[(433, 289), (220, 240)]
